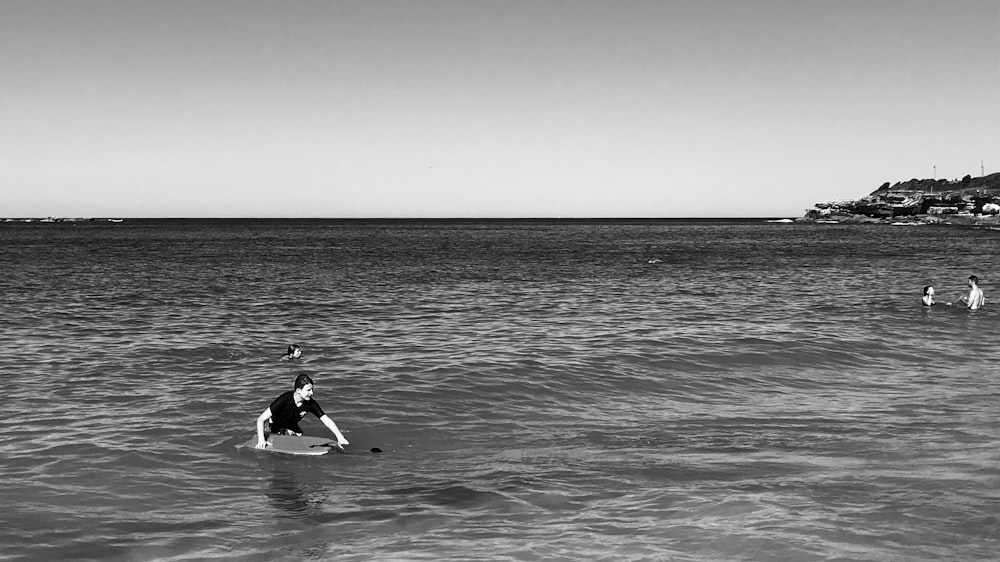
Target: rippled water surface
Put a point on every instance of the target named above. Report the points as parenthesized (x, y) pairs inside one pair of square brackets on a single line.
[(647, 390)]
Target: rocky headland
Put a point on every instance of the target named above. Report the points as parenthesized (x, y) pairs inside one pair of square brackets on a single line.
[(968, 201)]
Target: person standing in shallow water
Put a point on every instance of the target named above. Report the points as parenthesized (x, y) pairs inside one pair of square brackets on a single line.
[(928, 298), (976, 299), (284, 413)]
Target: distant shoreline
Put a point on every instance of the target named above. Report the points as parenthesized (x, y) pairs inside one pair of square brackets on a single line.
[(969, 201), (911, 220)]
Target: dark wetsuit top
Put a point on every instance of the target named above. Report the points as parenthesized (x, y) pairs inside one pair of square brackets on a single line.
[(285, 415)]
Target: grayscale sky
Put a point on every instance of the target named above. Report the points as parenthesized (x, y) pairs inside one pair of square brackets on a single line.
[(542, 108)]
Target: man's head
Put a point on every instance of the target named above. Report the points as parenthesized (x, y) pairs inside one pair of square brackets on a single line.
[(928, 291), (302, 380), (304, 386), (973, 280)]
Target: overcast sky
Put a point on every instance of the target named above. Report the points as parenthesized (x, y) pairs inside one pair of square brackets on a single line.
[(420, 108)]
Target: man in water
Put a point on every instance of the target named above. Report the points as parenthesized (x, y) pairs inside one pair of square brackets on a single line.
[(976, 299), (286, 411), (928, 298), (293, 352)]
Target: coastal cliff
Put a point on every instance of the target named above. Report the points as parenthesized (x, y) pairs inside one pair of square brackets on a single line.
[(966, 201)]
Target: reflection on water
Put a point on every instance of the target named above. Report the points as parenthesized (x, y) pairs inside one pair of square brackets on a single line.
[(289, 493)]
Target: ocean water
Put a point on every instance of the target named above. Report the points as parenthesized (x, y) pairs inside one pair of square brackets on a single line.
[(541, 390)]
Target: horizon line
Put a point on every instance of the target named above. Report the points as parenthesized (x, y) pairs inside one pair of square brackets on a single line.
[(54, 218)]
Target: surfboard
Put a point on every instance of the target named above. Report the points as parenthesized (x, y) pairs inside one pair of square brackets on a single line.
[(296, 445)]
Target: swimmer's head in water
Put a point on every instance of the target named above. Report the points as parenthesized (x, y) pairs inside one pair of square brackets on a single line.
[(293, 351)]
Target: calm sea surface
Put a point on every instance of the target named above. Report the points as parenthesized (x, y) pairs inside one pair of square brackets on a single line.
[(541, 390)]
